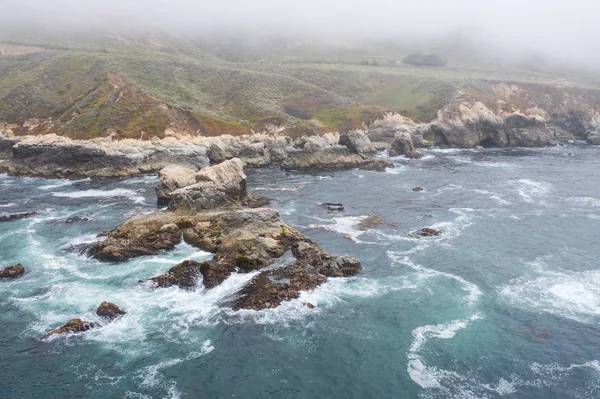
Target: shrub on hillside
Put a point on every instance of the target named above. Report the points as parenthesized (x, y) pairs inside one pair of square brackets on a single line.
[(421, 59)]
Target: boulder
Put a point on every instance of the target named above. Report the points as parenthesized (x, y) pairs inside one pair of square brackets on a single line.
[(12, 271), (16, 216), (357, 142), (73, 326), (403, 144), (171, 178), (109, 311), (222, 185), (183, 275), (376, 165)]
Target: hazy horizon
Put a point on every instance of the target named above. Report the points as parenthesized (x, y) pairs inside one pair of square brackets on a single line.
[(507, 30)]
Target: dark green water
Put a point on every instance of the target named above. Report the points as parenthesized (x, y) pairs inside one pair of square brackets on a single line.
[(506, 303)]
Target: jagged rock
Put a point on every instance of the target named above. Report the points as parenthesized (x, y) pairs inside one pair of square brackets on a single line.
[(376, 165), (418, 189), (183, 275), (16, 216), (309, 305), (171, 178), (139, 236), (12, 271), (427, 232), (216, 186), (76, 219), (403, 144), (312, 267), (357, 142), (73, 326), (333, 207), (109, 311)]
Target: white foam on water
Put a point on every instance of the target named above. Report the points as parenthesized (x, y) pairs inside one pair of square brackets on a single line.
[(9, 205), (452, 229), (117, 192), (532, 191), (493, 196), (573, 295), (586, 201), (346, 225), (594, 217), (419, 372), (473, 291)]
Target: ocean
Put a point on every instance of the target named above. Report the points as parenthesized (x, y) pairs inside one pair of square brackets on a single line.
[(505, 303)]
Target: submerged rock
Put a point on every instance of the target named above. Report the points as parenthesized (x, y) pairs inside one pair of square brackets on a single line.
[(76, 219), (16, 216), (333, 207), (12, 271), (183, 275), (418, 189), (427, 232), (109, 311)]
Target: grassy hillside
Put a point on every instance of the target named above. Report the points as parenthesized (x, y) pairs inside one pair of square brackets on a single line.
[(139, 87)]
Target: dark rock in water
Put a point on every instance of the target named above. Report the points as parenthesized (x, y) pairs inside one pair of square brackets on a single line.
[(73, 326), (392, 152), (376, 165), (312, 267), (309, 305), (12, 271), (418, 189), (427, 232), (16, 216), (403, 144), (81, 249), (374, 221), (333, 207), (76, 219), (183, 275), (109, 311)]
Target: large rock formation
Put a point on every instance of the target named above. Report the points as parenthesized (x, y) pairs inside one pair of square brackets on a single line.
[(171, 178), (213, 215)]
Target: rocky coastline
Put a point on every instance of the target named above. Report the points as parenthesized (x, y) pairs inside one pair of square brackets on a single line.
[(464, 123)]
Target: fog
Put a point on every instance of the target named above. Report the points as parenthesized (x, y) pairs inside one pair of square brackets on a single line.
[(563, 31)]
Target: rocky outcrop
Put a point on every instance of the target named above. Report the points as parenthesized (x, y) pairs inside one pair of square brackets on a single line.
[(12, 272), (214, 216), (16, 216), (216, 186), (107, 311), (183, 275), (357, 142), (171, 178), (76, 219), (403, 145)]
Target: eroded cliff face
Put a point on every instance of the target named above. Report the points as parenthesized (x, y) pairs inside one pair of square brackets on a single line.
[(517, 115)]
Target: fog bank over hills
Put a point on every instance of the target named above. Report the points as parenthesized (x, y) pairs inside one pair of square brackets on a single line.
[(508, 32)]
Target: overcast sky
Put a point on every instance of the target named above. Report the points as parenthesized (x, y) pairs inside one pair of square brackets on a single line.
[(566, 28)]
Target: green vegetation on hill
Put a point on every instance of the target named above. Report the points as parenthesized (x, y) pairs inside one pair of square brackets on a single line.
[(128, 86)]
